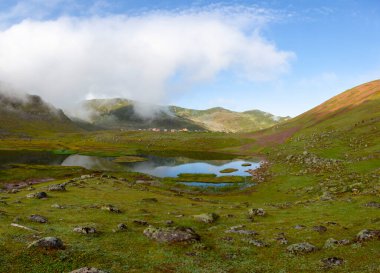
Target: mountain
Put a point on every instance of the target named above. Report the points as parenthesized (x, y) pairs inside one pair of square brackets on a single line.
[(120, 113), (355, 108), (30, 115), (220, 119)]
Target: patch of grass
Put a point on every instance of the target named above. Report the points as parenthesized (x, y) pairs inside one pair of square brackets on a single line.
[(228, 170)]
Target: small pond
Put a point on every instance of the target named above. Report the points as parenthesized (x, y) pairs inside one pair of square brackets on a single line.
[(154, 165)]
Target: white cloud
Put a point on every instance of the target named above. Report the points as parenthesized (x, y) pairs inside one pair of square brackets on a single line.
[(140, 57)]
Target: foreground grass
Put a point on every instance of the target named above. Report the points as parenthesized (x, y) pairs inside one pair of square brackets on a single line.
[(131, 251)]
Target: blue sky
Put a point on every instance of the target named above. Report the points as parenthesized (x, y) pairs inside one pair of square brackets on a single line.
[(283, 57)]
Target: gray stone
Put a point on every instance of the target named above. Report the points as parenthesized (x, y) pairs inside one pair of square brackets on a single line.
[(37, 195), (111, 208), (240, 230), (332, 243), (256, 212), (48, 243), (172, 234), (207, 218), (257, 243), (85, 230), (57, 187), (281, 239), (367, 235), (332, 262), (301, 248), (122, 227), (38, 218)]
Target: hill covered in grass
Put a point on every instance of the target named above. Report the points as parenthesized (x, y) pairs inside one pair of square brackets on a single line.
[(355, 111), (30, 115), (120, 113)]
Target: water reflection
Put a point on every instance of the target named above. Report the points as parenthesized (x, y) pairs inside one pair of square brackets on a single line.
[(154, 165)]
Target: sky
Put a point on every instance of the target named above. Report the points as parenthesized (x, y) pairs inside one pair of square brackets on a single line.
[(283, 57)]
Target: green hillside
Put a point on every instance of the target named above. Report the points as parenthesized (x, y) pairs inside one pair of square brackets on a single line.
[(220, 119), (353, 113), (30, 115), (119, 113)]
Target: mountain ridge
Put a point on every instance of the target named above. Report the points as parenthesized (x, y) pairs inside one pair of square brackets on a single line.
[(212, 119)]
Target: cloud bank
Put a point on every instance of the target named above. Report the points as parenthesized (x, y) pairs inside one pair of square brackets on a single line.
[(142, 57)]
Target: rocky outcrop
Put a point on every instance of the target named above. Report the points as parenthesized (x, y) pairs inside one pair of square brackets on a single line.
[(48, 243), (38, 218), (172, 234), (301, 248), (207, 218)]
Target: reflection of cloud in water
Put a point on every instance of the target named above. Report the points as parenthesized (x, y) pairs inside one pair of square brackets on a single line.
[(90, 162), (161, 167)]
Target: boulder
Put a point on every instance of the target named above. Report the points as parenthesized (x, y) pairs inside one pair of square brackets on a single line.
[(172, 234), (57, 187), (207, 218), (332, 243), (48, 243), (331, 262), (88, 270), (281, 239), (367, 235), (37, 195), (38, 218), (301, 248), (122, 227), (256, 212), (110, 208), (85, 230)]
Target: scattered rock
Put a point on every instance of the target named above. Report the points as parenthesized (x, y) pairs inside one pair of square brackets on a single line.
[(172, 234), (150, 200), (240, 230), (57, 187), (57, 206), (88, 270), (299, 227), (331, 262), (367, 235), (373, 204), (140, 222), (111, 208), (320, 229), (169, 223), (207, 218), (37, 195), (122, 227), (38, 218), (85, 230), (301, 248), (48, 243), (332, 243), (256, 212), (281, 239), (257, 243)]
